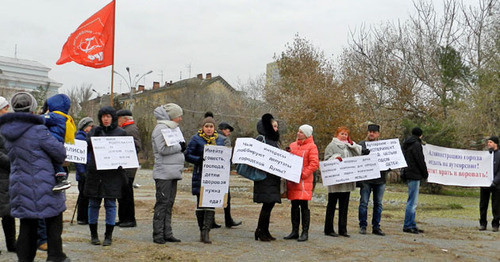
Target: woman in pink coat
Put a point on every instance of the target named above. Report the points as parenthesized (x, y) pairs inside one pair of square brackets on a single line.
[(300, 193)]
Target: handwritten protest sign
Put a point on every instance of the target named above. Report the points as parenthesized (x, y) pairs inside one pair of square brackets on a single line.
[(172, 136), (388, 152), (76, 153), (268, 158), (351, 169), (458, 167), (215, 176), (110, 152)]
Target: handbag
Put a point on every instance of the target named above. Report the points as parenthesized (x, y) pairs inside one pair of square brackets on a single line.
[(250, 172)]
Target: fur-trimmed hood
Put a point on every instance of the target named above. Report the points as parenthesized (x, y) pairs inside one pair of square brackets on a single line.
[(14, 125), (265, 128)]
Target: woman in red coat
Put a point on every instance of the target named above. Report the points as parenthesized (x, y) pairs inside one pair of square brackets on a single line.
[(300, 193)]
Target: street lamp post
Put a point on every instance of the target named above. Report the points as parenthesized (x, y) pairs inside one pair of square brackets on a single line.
[(132, 84)]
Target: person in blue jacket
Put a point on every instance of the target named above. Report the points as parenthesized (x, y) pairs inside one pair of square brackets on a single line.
[(32, 150), (82, 216), (207, 135), (62, 127)]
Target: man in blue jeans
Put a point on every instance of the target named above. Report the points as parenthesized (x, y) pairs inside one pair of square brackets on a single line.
[(416, 171), (376, 185)]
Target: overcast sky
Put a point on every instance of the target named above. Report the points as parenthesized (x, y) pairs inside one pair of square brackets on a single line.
[(234, 38)]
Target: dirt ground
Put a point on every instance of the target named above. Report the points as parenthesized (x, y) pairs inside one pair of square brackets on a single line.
[(450, 235)]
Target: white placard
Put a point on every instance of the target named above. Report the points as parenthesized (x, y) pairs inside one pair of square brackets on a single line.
[(215, 176), (458, 167), (350, 169), (268, 158), (76, 153), (110, 152), (388, 152), (172, 136)]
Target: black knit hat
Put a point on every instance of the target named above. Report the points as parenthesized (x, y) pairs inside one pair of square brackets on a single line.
[(417, 131), (494, 139)]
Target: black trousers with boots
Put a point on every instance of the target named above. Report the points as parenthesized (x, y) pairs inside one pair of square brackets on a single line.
[(343, 199)]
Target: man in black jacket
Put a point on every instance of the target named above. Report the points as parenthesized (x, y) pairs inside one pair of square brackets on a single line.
[(126, 205), (416, 171), (493, 190)]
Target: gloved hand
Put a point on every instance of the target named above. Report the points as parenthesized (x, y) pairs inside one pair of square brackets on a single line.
[(365, 152), (120, 168), (287, 149), (349, 140), (183, 146), (339, 158)]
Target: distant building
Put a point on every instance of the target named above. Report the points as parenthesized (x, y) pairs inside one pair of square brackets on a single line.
[(182, 92), (25, 75)]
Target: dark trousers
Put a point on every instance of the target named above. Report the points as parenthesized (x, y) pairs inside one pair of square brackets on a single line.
[(166, 190), (126, 205), (343, 199), (9, 230), (484, 199), (83, 203), (26, 243)]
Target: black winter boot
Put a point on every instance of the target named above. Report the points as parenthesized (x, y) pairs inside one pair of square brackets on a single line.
[(94, 238), (208, 219), (295, 217), (108, 235), (9, 229), (262, 227), (306, 219), (227, 214)]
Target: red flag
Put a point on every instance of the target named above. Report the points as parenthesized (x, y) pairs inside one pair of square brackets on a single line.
[(92, 44)]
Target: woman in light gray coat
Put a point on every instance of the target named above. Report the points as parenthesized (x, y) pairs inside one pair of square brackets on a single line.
[(340, 147), (167, 170)]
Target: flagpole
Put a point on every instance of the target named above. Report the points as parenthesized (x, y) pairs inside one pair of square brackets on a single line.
[(113, 64)]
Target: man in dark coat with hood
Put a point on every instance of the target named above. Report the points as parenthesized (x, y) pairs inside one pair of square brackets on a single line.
[(105, 184), (416, 171)]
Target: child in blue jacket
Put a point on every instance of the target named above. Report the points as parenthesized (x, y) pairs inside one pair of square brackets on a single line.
[(62, 127)]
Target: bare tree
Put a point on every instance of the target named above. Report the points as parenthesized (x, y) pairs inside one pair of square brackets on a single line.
[(78, 95)]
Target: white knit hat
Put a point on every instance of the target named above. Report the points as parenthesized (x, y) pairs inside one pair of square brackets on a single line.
[(3, 102), (306, 129)]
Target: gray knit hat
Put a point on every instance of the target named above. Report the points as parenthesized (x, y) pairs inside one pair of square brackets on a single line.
[(173, 110), (23, 102), (85, 122)]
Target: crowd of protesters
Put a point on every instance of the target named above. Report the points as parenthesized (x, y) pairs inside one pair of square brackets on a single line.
[(33, 176)]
